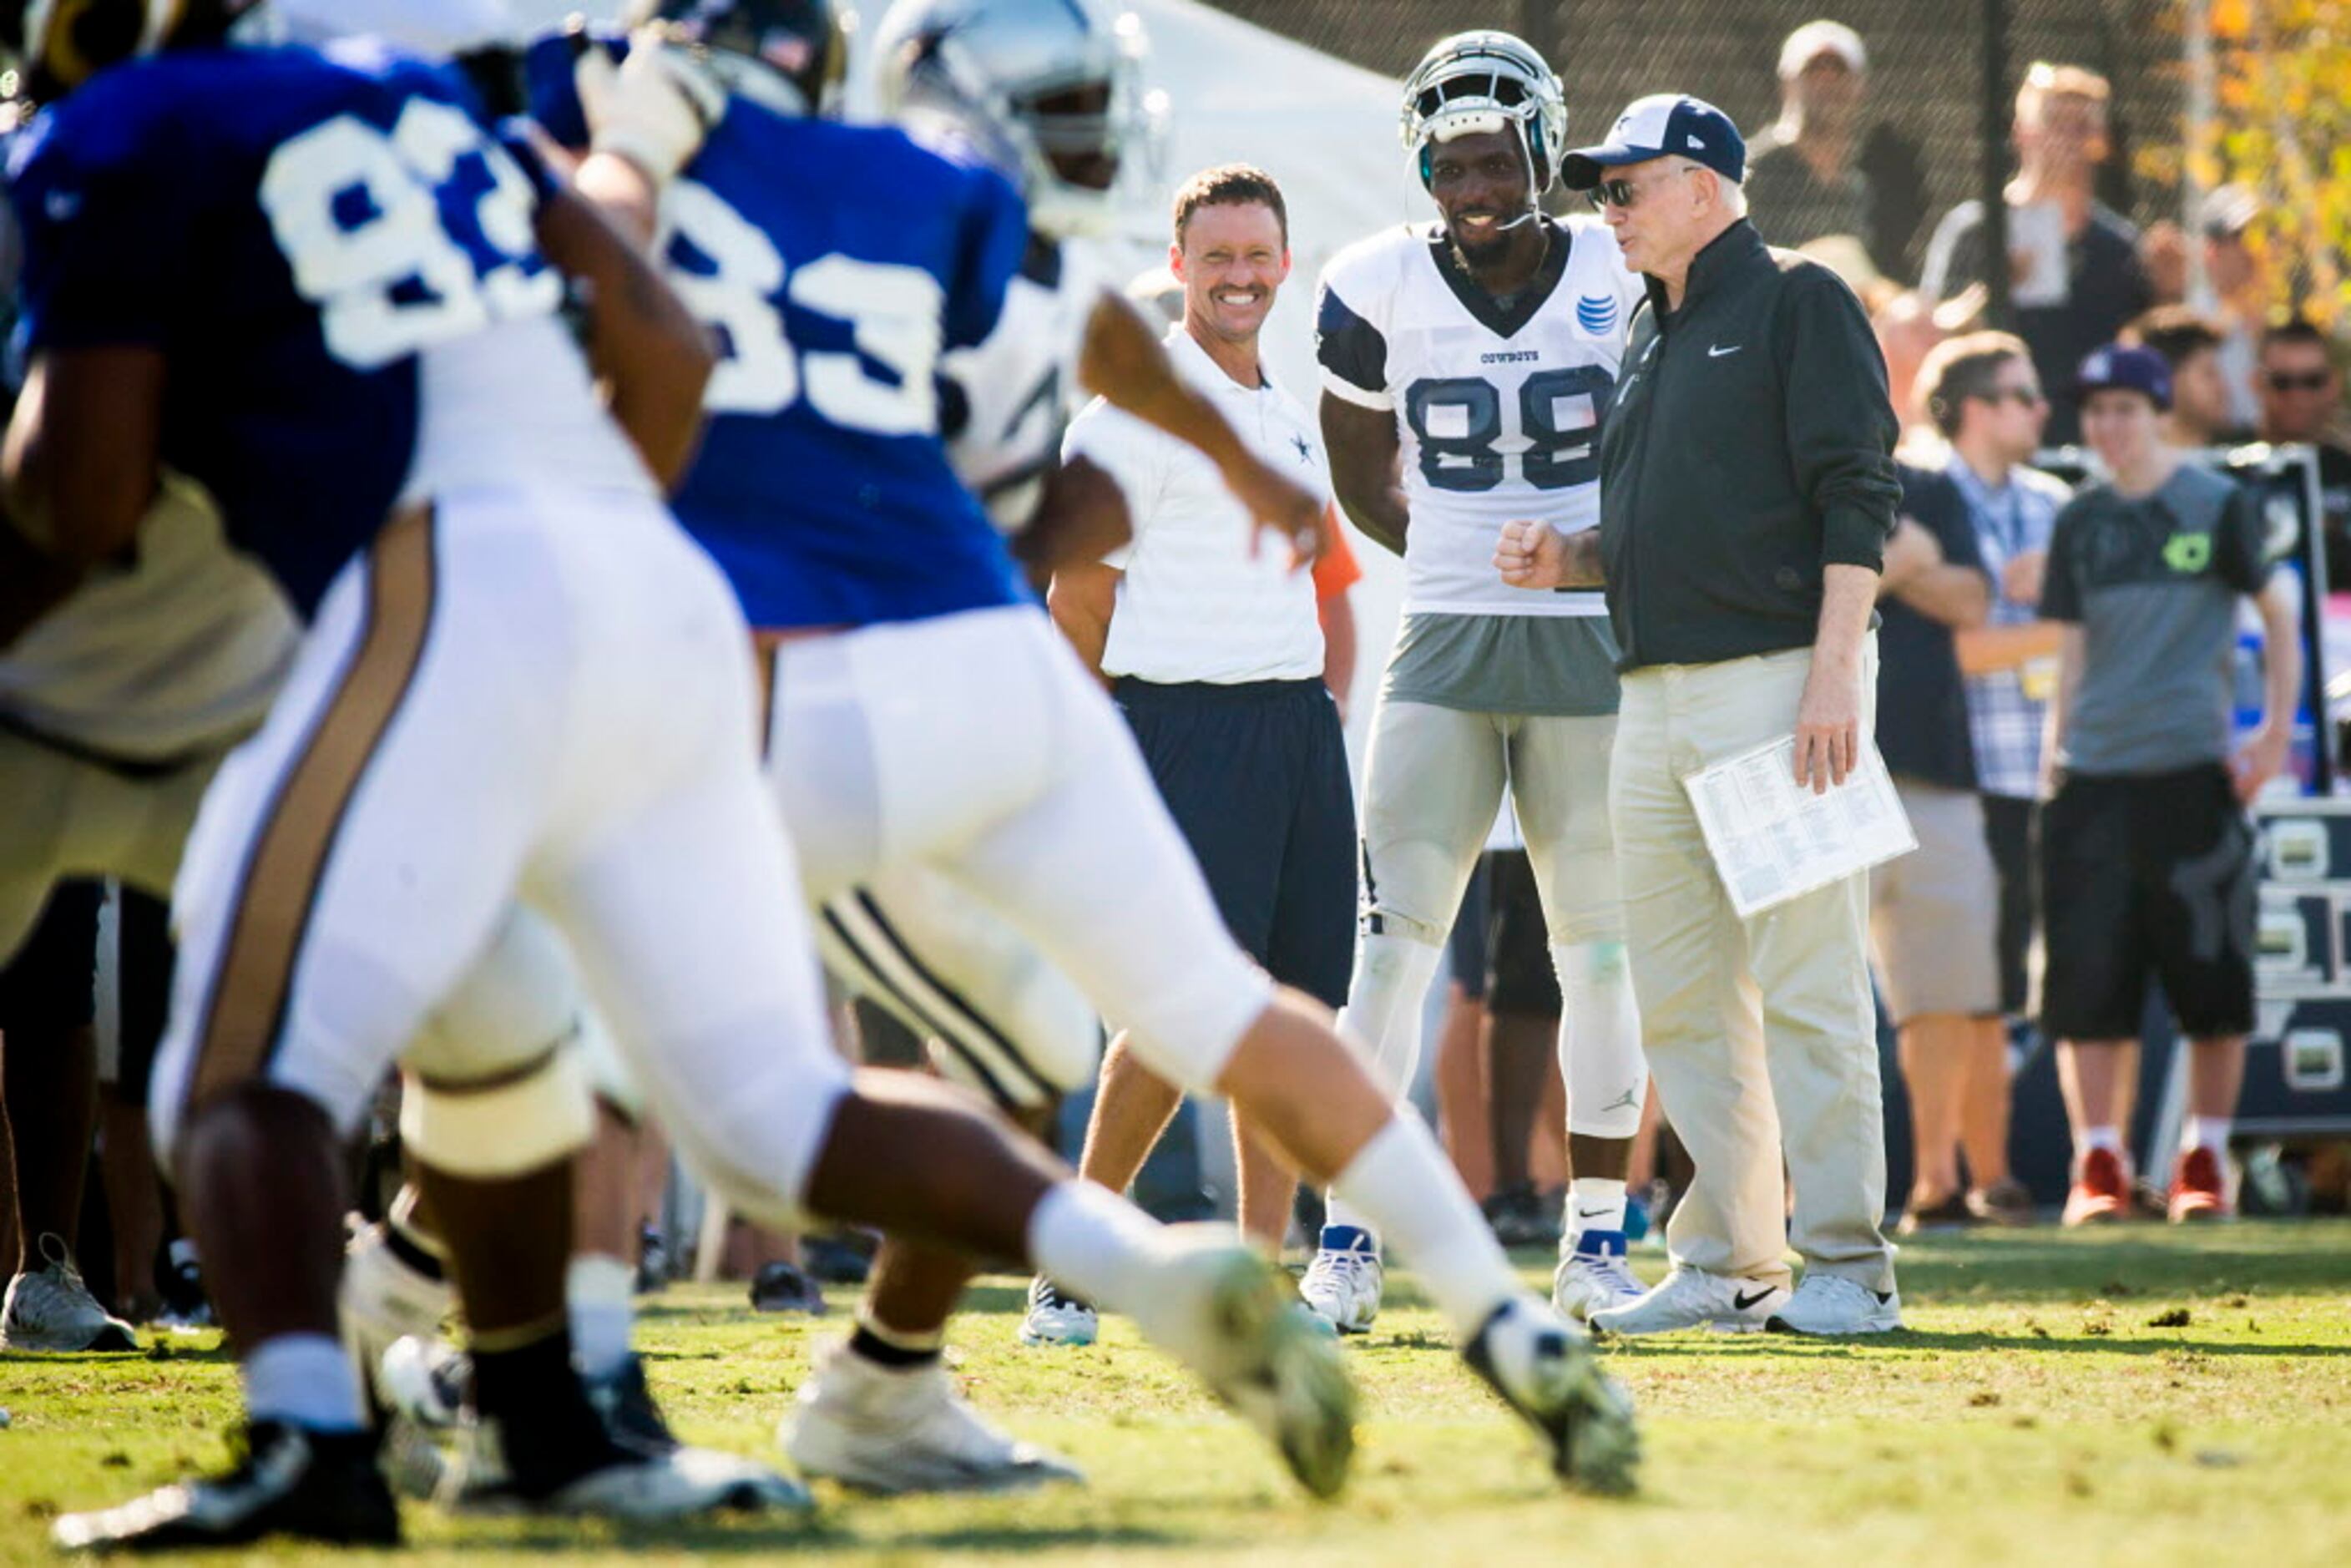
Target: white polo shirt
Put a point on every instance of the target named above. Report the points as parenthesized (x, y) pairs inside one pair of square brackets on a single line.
[(1192, 604)]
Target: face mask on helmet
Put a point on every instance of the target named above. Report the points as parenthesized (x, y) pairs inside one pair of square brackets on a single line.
[(785, 53), (1044, 90), (1487, 81)]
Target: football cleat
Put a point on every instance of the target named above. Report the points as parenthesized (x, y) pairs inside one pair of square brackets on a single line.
[(631, 1417), (1693, 1299), (683, 1483), (312, 1486), (383, 1300), (1831, 1306), (1056, 1317), (1544, 1369), (1342, 1284), (1233, 1318), (894, 1430), (50, 1308), (1594, 1276)]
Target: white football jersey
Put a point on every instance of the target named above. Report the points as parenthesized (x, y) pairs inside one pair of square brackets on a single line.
[(1009, 397), (1499, 411)]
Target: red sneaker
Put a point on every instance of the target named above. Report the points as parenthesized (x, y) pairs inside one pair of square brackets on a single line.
[(2199, 1188), (2101, 1191)]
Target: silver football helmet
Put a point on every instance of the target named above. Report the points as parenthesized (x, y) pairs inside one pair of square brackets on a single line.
[(1049, 91), (1485, 81)]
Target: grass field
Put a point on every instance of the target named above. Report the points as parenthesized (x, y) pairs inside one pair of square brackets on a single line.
[(2141, 1396)]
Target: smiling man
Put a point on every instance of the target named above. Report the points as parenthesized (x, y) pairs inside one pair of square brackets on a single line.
[(1479, 355), (1214, 650)]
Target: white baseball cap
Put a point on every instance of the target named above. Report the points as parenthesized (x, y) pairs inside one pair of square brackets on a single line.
[(1814, 39)]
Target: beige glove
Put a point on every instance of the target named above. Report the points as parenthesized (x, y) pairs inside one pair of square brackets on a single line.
[(654, 108)]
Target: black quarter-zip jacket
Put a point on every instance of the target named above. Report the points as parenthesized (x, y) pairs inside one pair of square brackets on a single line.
[(1750, 444)]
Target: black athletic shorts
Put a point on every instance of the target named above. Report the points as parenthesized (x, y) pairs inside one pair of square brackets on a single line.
[(1256, 776), (1465, 947), (51, 985), (1520, 980), (2146, 876)]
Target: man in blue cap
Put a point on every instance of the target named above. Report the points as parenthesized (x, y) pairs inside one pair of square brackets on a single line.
[(1747, 491), (2146, 860)]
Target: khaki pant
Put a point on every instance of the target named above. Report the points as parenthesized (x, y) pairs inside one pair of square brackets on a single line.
[(1760, 1034)]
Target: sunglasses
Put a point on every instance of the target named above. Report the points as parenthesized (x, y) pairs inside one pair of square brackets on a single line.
[(1623, 193), (2306, 381)]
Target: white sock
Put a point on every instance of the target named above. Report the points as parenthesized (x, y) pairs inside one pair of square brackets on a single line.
[(2208, 1133), (1402, 1180), (1594, 1203), (1092, 1242), (303, 1380), (1382, 1021), (2108, 1138), (599, 1297)]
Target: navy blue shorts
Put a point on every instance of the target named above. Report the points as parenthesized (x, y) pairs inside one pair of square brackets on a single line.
[(1256, 777)]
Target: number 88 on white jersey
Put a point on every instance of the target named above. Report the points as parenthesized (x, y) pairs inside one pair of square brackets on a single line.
[(1499, 405)]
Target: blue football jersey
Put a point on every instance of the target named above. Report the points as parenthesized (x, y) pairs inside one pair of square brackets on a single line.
[(836, 264), (292, 229)]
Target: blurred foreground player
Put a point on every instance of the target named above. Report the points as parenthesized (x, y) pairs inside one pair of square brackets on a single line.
[(496, 594)]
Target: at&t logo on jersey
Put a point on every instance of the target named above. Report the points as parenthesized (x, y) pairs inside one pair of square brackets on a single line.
[(1596, 314)]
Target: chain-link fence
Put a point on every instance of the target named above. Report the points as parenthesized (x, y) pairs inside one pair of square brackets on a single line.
[(1924, 114)]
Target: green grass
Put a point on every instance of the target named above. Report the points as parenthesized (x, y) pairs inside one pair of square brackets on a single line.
[(2141, 1396)]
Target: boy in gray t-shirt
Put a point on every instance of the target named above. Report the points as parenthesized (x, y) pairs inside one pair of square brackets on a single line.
[(2146, 854)]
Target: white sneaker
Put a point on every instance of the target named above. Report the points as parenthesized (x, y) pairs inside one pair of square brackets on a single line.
[(1056, 1317), (892, 1430), (1833, 1304), (1589, 1282), (382, 1301), (425, 1379), (1693, 1299), (1233, 1318), (49, 1309), (1544, 1369), (1342, 1284)]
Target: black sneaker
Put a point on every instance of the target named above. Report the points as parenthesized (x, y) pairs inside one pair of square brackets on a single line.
[(314, 1486), (631, 1415), (781, 1288), (1519, 1217)]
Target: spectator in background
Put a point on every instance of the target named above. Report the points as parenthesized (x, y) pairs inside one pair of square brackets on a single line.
[(2073, 263), (1933, 913), (2147, 857), (1801, 179), (1984, 399), (2189, 343), (2234, 295), (2301, 395)]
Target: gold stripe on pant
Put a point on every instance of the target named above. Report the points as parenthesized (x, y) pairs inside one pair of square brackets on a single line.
[(1762, 1034)]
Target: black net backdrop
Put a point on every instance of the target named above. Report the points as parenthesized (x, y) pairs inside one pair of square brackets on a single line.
[(1926, 79)]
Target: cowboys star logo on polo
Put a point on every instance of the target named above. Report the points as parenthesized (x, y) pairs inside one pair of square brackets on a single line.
[(1596, 314)]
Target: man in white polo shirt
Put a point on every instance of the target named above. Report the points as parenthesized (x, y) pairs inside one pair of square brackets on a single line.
[(1212, 647)]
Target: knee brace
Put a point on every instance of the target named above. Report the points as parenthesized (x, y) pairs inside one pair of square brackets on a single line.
[(518, 1121), (496, 1081), (1600, 1054)]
